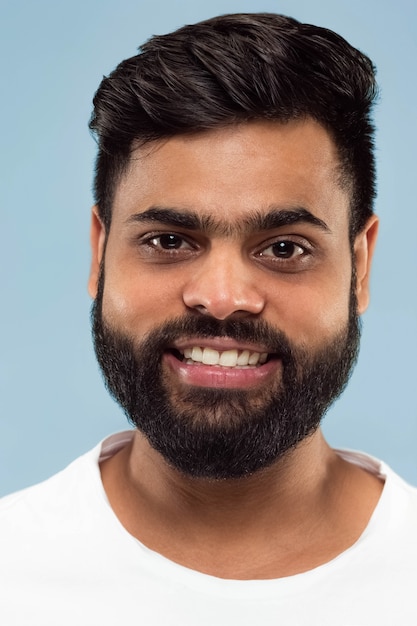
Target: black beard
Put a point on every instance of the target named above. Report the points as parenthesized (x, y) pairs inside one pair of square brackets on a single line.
[(223, 433)]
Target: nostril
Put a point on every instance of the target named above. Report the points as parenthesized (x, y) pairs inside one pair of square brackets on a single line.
[(201, 309), (221, 303)]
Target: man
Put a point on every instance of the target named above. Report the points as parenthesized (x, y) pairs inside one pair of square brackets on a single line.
[(231, 247)]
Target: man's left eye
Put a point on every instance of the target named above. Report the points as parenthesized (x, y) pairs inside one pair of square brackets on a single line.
[(283, 250)]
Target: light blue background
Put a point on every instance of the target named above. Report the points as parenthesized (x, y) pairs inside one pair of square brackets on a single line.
[(53, 54)]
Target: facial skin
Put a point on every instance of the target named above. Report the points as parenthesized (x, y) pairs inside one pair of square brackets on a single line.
[(243, 225)]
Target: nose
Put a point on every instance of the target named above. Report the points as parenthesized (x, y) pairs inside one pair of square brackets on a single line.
[(223, 285)]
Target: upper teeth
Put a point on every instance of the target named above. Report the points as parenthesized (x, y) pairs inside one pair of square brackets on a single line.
[(228, 358)]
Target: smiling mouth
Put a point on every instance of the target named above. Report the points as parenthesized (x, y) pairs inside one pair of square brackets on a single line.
[(227, 358)]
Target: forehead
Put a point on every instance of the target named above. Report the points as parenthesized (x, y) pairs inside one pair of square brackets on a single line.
[(231, 173)]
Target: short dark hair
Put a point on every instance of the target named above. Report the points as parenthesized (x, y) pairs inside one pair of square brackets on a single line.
[(232, 69)]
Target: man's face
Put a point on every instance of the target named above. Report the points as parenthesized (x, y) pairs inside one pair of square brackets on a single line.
[(226, 313)]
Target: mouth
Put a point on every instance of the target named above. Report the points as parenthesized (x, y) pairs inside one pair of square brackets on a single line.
[(233, 358), (221, 363)]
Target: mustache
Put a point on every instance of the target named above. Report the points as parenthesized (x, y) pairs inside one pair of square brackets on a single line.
[(205, 327)]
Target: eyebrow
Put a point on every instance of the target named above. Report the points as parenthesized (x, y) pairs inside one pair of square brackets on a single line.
[(256, 221)]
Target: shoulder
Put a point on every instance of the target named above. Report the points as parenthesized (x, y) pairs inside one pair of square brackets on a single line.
[(395, 515), (32, 507), (65, 497)]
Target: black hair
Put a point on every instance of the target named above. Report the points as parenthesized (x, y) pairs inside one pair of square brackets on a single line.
[(232, 69)]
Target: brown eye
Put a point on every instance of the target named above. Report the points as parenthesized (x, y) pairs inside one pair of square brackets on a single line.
[(167, 247), (286, 255), (169, 241), (284, 249)]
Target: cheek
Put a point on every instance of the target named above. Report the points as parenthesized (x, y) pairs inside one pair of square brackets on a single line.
[(312, 314), (137, 301)]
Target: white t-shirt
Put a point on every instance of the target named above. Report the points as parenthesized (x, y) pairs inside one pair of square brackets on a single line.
[(65, 560)]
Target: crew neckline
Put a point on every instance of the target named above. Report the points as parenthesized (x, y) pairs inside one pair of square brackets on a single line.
[(236, 588)]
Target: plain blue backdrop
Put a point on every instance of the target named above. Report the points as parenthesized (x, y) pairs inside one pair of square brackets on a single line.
[(53, 54)]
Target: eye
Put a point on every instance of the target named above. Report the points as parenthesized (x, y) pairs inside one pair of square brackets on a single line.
[(165, 247), (290, 255), (283, 250), (168, 241)]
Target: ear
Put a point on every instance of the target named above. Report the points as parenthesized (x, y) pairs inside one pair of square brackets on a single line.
[(363, 249), (97, 241)]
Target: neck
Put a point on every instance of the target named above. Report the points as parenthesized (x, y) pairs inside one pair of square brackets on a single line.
[(203, 524)]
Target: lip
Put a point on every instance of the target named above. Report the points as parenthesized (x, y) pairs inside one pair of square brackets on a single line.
[(221, 344), (216, 376)]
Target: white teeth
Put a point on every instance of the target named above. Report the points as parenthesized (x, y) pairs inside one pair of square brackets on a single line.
[(227, 358), (243, 358), (254, 358), (210, 357), (197, 354)]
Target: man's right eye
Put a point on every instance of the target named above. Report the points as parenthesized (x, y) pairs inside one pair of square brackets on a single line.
[(167, 241), (166, 247)]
